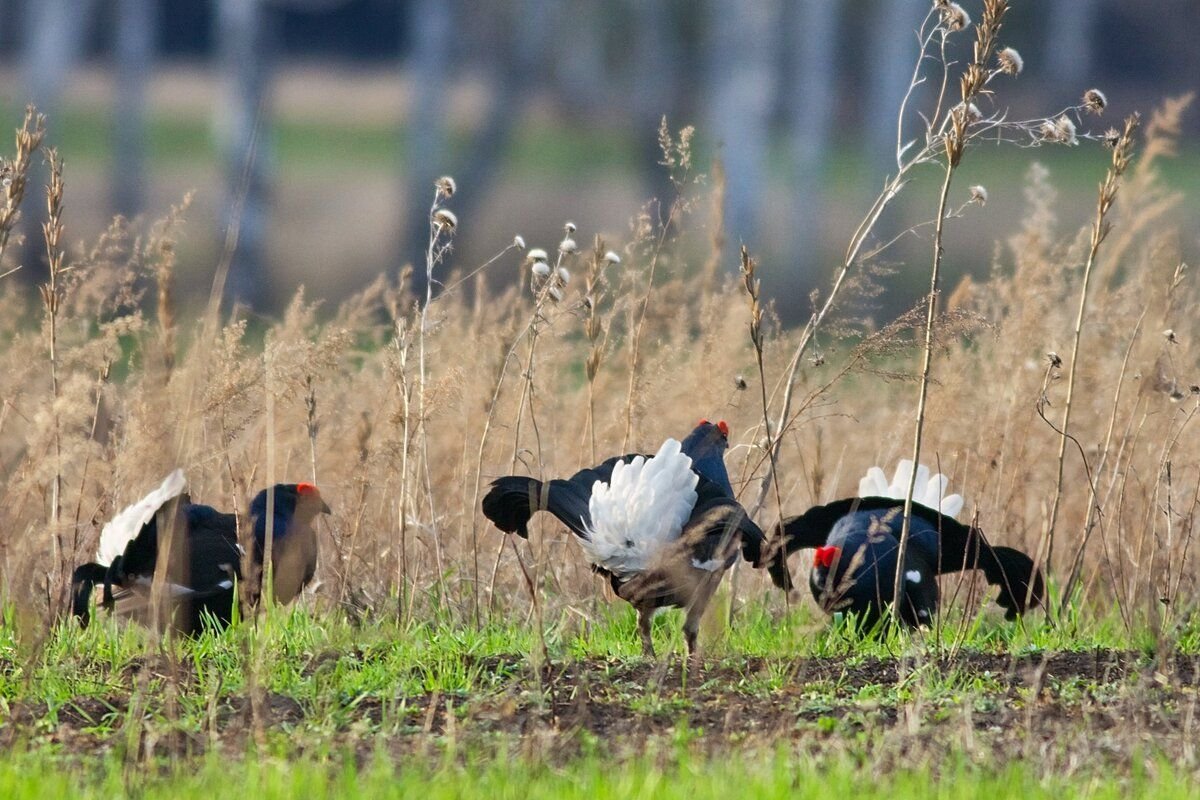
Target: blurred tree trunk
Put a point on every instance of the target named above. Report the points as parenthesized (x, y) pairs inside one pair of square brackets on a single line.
[(894, 47), (244, 58), (134, 51), (583, 75), (53, 43), (431, 23), (655, 90), (742, 49), (1070, 33), (520, 59), (812, 28)]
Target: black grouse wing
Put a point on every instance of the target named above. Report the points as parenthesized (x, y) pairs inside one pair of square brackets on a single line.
[(513, 499)]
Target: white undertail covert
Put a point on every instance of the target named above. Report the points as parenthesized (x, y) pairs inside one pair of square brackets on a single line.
[(930, 490), (643, 507)]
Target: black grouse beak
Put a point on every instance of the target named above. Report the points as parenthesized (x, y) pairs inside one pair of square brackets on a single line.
[(325, 509)]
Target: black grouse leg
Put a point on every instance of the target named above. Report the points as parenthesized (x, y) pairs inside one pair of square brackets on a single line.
[(645, 615)]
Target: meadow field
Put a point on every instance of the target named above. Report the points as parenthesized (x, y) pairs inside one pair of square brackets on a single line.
[(436, 655)]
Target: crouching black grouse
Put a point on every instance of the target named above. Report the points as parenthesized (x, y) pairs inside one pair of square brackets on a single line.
[(204, 558), (857, 543), (663, 529)]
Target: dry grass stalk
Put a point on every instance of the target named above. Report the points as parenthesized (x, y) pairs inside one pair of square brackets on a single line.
[(14, 175), (677, 158), (972, 82), (594, 328), (753, 287), (52, 298), (1122, 153), (442, 226)]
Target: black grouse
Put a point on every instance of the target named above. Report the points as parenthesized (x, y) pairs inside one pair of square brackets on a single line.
[(204, 559), (663, 529), (856, 543)]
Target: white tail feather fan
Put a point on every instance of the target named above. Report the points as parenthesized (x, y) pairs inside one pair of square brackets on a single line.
[(643, 507), (929, 491), (121, 529)]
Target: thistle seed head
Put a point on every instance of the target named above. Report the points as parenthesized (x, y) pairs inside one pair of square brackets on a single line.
[(1061, 130), (954, 16), (444, 218), (537, 254), (446, 186), (1010, 60), (1095, 101), (979, 195)]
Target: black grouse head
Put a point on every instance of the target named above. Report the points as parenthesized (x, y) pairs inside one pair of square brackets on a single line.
[(299, 502), (706, 446)]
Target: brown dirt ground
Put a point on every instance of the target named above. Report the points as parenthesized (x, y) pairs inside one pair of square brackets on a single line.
[(1065, 710)]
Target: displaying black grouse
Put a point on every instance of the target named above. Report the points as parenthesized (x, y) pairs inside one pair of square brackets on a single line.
[(204, 557), (857, 544), (663, 529)]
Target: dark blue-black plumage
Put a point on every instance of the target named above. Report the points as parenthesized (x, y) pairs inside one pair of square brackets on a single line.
[(857, 547), (717, 530), (204, 559)]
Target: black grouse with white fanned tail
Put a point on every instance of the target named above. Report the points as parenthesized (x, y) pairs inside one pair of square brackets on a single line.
[(663, 529), (204, 558), (857, 546)]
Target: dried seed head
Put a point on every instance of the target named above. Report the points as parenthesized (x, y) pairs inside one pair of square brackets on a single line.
[(954, 17), (818, 360), (1055, 359), (1095, 101), (564, 275), (519, 242), (1169, 335), (740, 384), (612, 258), (568, 246), (1111, 138), (555, 294), (1061, 130), (979, 195), (444, 218), (537, 254), (969, 111), (570, 228), (540, 269), (1066, 130), (446, 186), (1010, 61)]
